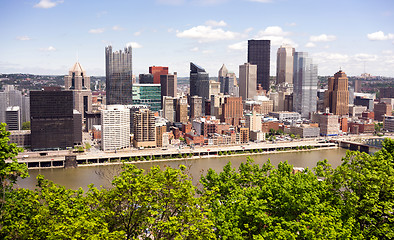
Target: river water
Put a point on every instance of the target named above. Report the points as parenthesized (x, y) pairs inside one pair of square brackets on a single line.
[(102, 175)]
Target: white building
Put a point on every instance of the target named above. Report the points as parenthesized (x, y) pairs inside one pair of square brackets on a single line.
[(115, 124), (247, 81)]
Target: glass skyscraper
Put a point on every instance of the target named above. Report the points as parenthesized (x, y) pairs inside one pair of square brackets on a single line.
[(259, 54), (118, 66), (199, 80), (305, 84)]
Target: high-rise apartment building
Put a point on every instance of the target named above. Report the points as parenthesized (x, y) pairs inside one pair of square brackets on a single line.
[(336, 97), (119, 76), (169, 85), (232, 111), (115, 127), (147, 94), (13, 118), (157, 71), (52, 119), (144, 128), (79, 83), (247, 80), (259, 54), (284, 64), (305, 84)]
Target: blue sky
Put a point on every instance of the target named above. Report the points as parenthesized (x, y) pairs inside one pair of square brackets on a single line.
[(47, 36)]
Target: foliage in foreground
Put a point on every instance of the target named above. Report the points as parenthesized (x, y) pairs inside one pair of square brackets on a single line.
[(353, 201)]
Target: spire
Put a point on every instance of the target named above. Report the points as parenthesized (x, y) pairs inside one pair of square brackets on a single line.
[(77, 68)]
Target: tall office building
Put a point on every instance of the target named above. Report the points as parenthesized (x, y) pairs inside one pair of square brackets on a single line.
[(181, 110), (146, 78), (305, 84), (144, 128), (13, 118), (169, 108), (195, 107), (53, 121), (336, 98), (79, 83), (199, 80), (259, 54), (222, 75), (232, 111), (13, 97), (247, 80), (284, 64), (169, 85), (115, 127), (147, 94), (119, 76), (157, 71)]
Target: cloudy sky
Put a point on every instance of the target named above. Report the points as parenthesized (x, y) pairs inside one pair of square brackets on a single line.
[(48, 36)]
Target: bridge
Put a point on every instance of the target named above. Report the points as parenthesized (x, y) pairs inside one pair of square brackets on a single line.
[(367, 145)]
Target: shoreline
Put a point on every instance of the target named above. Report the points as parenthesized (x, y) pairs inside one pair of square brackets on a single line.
[(202, 157)]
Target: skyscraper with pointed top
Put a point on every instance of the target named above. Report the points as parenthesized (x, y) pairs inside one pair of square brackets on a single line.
[(79, 83), (119, 76)]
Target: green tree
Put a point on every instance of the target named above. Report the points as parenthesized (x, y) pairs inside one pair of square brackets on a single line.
[(11, 170), (26, 125), (88, 146), (158, 204)]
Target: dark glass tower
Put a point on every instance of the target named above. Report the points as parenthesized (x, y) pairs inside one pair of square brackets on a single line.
[(118, 76), (199, 80), (259, 54)]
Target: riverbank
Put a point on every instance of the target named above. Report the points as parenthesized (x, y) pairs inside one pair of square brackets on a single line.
[(204, 156)]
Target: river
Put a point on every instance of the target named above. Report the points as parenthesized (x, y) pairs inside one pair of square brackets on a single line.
[(102, 175)]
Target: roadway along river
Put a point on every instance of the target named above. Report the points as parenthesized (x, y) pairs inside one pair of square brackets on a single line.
[(102, 175)]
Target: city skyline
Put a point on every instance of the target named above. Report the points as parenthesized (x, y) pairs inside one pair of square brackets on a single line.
[(45, 37)]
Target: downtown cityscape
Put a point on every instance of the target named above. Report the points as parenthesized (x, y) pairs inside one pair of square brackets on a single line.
[(194, 128)]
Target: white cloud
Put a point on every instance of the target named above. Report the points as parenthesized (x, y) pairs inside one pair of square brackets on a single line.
[(322, 38), (310, 45), (387, 52), (195, 49), (137, 33), (207, 34), (276, 35), (292, 24), (47, 4), (97, 30), (261, 1), (134, 45), (379, 36), (214, 23), (23, 38), (364, 57), (326, 57), (116, 28), (48, 49), (238, 46)]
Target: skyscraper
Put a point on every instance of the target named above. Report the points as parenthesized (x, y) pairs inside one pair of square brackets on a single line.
[(13, 118), (199, 79), (79, 83), (337, 95), (13, 97), (284, 64), (228, 81), (247, 80), (222, 78), (232, 111), (259, 54), (157, 71), (147, 94), (53, 121), (119, 76), (305, 84), (169, 85)]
